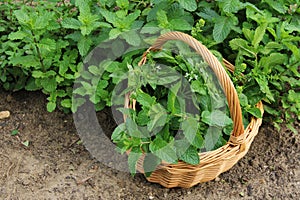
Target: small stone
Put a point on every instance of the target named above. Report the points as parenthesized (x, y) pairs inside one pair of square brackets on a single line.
[(4, 114), (9, 98), (217, 179), (249, 190), (71, 167), (242, 194), (151, 197), (26, 182)]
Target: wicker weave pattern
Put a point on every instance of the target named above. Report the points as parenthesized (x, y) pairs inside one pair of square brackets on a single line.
[(215, 162)]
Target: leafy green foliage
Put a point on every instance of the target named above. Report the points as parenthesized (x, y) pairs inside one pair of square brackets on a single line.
[(43, 45), (262, 38), (169, 122), (34, 54)]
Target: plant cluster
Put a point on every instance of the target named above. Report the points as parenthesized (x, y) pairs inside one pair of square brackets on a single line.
[(43, 43), (180, 111)]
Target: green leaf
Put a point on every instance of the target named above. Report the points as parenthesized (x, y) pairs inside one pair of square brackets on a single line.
[(180, 24), (162, 19), (19, 35), (67, 103), (22, 16), (249, 34), (163, 76), (143, 118), (38, 74), (14, 132), (47, 44), (71, 23), (76, 103), (83, 6), (189, 5), (133, 158), (114, 33), (165, 56), (223, 26), (163, 150), (132, 128), (172, 96), (51, 106), (208, 14), (293, 48), (26, 61), (277, 5), (259, 34), (268, 63), (42, 20), (109, 16), (271, 46), (198, 87), (129, 19), (211, 138), (49, 84), (190, 156), (31, 85), (255, 112), (123, 4), (186, 152), (238, 43), (216, 118), (89, 23), (292, 128), (150, 163), (84, 45), (231, 6), (95, 70), (263, 84), (243, 99), (102, 84), (190, 128), (158, 117), (144, 99), (242, 46), (294, 96), (198, 140), (132, 38), (118, 131)]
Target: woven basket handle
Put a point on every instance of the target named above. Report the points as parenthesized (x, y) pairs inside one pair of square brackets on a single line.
[(216, 66)]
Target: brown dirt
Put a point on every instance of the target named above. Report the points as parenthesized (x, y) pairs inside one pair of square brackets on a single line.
[(55, 166)]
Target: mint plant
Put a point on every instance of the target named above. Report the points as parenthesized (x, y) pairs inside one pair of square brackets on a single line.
[(36, 55), (180, 111), (262, 39)]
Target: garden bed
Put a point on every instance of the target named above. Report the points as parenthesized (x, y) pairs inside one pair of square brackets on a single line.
[(55, 165)]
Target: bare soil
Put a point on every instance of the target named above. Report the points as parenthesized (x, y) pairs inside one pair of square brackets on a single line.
[(56, 166)]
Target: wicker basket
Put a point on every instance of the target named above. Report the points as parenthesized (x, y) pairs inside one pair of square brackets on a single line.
[(215, 162)]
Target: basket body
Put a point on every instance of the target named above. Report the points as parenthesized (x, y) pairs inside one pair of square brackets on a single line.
[(212, 163)]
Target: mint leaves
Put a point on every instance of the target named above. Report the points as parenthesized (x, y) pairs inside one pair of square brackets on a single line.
[(45, 47), (170, 123), (163, 150), (216, 118)]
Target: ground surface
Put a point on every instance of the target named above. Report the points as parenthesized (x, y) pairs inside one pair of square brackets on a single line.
[(55, 166)]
